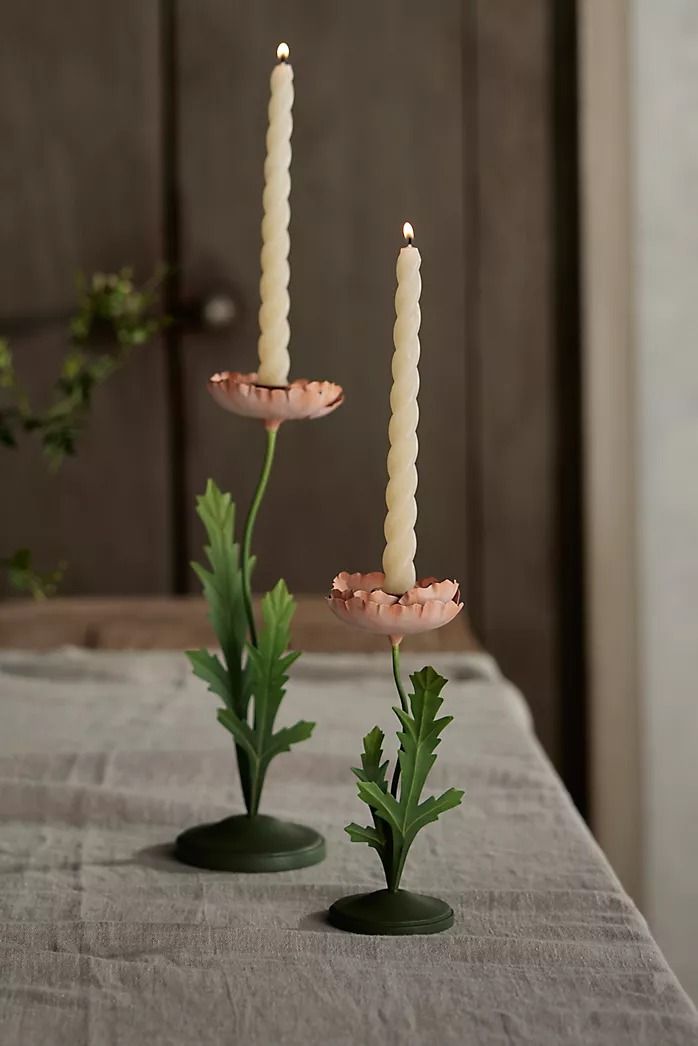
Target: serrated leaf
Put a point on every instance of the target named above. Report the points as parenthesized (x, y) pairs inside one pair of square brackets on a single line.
[(373, 771), (382, 802), (372, 836), (372, 767), (222, 586), (282, 740), (419, 738), (208, 667), (240, 731), (270, 660), (432, 807)]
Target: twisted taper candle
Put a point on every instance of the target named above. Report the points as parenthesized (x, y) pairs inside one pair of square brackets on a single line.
[(401, 541), (274, 331)]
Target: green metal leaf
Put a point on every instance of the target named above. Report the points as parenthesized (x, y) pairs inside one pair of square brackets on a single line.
[(432, 807), (419, 738), (372, 836), (267, 667), (240, 731), (270, 660), (222, 586), (382, 802), (208, 667), (282, 740), (372, 767)]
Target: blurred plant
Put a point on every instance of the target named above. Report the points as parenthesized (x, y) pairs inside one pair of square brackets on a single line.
[(23, 576), (113, 317)]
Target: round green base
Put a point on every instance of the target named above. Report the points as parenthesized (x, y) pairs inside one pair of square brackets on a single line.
[(250, 844), (383, 912)]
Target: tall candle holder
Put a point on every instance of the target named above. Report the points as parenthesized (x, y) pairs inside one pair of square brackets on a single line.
[(251, 673), (397, 810)]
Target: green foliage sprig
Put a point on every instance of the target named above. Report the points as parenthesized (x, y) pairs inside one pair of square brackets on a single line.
[(399, 813), (251, 678), (114, 316), (24, 577), (124, 311)]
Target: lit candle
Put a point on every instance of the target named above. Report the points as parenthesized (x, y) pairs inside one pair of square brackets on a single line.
[(401, 540), (274, 331)]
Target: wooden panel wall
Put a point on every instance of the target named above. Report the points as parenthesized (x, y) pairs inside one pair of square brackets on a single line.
[(80, 188)]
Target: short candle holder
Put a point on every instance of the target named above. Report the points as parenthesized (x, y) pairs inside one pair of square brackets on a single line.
[(397, 810), (250, 674)]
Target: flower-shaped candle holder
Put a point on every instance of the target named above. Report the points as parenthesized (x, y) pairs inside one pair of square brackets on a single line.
[(251, 673), (361, 600), (299, 400), (397, 810)]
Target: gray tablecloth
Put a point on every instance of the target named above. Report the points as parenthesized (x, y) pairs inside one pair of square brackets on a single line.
[(105, 939)]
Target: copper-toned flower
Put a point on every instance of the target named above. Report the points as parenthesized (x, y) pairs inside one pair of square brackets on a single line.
[(360, 600), (274, 404)]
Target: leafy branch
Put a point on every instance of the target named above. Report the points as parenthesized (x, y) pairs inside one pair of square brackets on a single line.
[(251, 678), (397, 819), (113, 317), (24, 577)]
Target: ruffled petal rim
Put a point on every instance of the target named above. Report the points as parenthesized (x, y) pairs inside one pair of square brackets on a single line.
[(360, 600), (300, 400)]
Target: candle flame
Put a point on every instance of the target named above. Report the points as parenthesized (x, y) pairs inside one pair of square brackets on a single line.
[(282, 52), (408, 232)]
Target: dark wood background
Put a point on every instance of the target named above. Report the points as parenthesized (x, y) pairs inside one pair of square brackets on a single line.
[(134, 134)]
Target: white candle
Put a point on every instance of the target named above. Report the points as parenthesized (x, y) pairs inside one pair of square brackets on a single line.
[(274, 331), (401, 540)]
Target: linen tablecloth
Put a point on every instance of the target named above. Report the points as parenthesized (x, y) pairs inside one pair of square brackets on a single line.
[(105, 939)]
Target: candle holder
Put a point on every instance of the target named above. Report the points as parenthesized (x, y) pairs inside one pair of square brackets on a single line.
[(398, 812), (251, 673)]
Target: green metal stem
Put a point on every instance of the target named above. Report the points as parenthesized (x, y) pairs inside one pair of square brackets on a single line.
[(396, 857), (249, 528), (405, 707), (396, 677), (255, 794), (249, 776)]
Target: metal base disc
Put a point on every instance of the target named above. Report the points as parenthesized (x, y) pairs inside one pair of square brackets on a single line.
[(383, 912), (250, 844)]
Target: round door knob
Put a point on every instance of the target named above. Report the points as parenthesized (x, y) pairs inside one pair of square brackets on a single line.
[(218, 311)]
